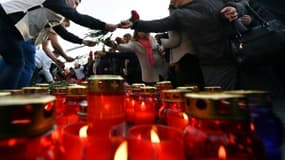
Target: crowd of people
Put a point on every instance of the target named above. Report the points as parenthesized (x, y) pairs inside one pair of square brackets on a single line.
[(195, 51)]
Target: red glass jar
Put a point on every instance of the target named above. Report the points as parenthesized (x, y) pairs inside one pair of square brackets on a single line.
[(27, 125), (219, 120), (145, 106), (161, 85), (105, 103), (173, 100), (262, 115), (131, 98), (60, 95), (146, 142), (75, 94)]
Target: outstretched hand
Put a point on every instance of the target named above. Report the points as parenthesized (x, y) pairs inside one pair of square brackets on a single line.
[(230, 13), (126, 24)]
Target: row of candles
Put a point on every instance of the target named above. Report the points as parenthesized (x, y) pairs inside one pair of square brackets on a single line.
[(102, 119)]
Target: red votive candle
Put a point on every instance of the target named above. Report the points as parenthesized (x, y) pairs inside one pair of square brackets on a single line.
[(75, 94), (220, 120), (27, 125), (105, 103), (145, 106), (155, 142)]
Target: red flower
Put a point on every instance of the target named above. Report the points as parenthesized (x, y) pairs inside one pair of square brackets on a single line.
[(119, 40), (134, 16)]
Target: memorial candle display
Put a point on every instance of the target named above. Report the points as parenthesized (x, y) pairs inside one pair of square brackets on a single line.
[(27, 125), (146, 142), (105, 103), (220, 119)]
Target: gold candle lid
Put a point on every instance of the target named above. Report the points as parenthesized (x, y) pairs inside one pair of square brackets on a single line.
[(26, 115), (137, 85), (76, 90), (173, 95), (213, 89), (5, 93), (255, 98), (148, 90), (189, 88), (162, 84), (217, 106), (105, 84), (42, 85), (59, 91), (35, 90)]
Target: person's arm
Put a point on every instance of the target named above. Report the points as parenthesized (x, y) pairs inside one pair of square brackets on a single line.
[(49, 52), (60, 6), (57, 47)]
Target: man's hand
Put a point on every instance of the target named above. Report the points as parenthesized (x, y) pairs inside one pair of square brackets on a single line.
[(89, 43), (230, 13), (125, 24), (69, 59)]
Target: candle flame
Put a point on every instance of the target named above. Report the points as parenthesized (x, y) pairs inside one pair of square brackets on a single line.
[(222, 155), (122, 151), (185, 116), (154, 136), (83, 131), (252, 127)]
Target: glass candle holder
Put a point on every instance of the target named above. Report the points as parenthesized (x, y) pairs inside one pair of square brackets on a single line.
[(27, 125), (220, 120), (260, 106), (155, 142), (173, 100), (131, 98), (162, 85), (145, 106), (105, 103), (60, 95), (75, 94)]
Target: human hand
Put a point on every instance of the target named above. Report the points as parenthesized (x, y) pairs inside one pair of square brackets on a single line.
[(111, 27), (160, 49), (126, 24), (69, 59), (246, 19), (230, 13), (89, 43)]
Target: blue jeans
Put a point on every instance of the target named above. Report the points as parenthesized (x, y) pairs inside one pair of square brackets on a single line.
[(29, 64), (12, 63)]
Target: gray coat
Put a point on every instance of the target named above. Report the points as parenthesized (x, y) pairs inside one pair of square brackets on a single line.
[(202, 22)]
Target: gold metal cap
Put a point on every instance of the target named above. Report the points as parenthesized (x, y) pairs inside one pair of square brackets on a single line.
[(189, 88), (217, 106), (26, 115), (173, 95), (35, 90), (76, 90), (105, 83)]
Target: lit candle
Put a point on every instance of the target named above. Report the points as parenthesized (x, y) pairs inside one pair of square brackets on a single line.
[(122, 151), (74, 137), (145, 108), (105, 103), (155, 142), (222, 155), (177, 119)]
